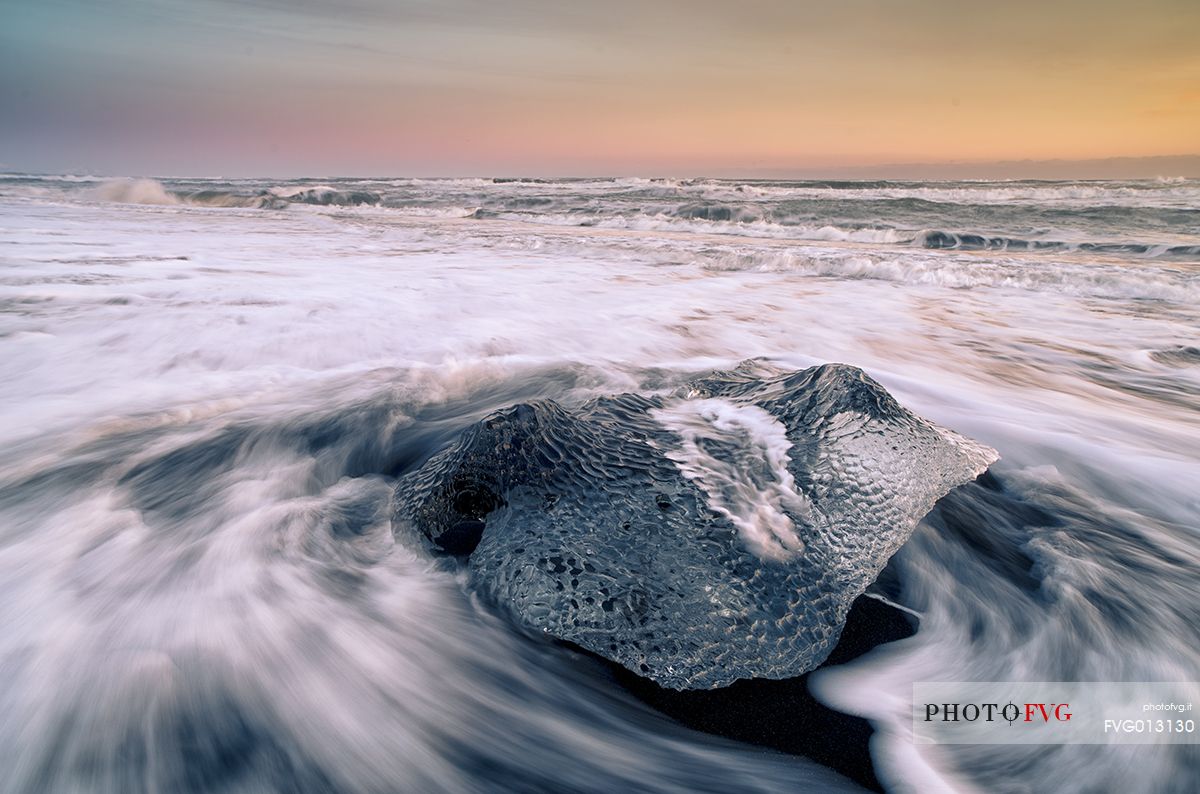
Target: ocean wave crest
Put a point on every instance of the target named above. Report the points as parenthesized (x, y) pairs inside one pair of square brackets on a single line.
[(134, 191), (154, 192), (1090, 280), (972, 241)]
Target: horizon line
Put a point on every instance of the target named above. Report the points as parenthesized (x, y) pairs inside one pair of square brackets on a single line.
[(1189, 161)]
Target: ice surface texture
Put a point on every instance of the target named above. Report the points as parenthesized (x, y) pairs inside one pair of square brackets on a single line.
[(717, 533)]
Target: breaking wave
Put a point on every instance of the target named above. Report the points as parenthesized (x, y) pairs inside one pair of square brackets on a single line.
[(1085, 280), (701, 219), (134, 191), (968, 241), (151, 191), (1149, 219)]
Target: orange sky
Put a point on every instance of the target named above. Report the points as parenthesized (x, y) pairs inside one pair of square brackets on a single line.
[(472, 86)]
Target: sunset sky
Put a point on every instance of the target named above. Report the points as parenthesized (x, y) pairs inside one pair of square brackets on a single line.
[(626, 86)]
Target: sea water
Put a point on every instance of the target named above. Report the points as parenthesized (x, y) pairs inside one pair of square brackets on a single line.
[(209, 387)]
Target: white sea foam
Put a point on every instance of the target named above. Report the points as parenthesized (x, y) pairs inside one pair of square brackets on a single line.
[(1181, 193), (738, 455), (134, 191)]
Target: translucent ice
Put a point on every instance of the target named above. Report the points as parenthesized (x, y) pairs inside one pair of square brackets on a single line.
[(717, 533)]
